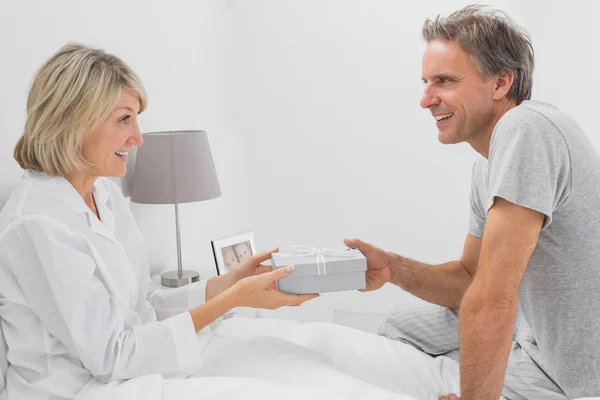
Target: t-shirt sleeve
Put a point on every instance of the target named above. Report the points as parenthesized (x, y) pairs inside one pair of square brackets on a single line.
[(477, 212), (529, 164)]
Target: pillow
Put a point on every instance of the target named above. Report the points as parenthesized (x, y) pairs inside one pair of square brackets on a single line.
[(6, 189), (3, 361)]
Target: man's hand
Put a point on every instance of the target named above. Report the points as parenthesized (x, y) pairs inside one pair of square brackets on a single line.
[(378, 263), (451, 396)]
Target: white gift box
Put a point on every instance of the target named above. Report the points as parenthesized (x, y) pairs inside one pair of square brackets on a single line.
[(321, 270)]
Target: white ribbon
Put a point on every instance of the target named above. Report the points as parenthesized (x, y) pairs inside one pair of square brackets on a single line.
[(309, 251)]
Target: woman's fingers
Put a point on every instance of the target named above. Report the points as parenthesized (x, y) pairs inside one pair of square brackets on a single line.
[(261, 269), (277, 274), (264, 256), (293, 300)]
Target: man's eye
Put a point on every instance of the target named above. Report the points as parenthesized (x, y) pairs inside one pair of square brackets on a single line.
[(445, 80)]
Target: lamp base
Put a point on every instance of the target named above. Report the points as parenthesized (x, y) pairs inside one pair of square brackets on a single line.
[(172, 278)]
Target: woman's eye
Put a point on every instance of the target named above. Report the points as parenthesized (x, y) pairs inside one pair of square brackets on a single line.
[(125, 119)]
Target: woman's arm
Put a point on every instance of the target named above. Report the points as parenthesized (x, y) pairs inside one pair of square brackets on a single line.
[(253, 291), (58, 276), (168, 303)]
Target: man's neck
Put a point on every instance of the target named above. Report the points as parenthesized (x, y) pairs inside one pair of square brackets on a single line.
[(481, 143)]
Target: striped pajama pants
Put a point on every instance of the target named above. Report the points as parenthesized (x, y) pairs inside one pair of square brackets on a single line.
[(434, 330)]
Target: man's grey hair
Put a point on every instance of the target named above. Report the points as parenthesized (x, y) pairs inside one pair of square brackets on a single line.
[(497, 44)]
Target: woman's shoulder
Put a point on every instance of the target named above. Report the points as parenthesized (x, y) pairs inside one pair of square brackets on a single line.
[(24, 203), (31, 201)]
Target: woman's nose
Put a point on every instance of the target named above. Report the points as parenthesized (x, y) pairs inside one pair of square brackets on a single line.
[(136, 138)]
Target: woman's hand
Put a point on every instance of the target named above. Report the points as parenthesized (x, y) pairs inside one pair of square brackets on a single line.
[(252, 265), (249, 266), (259, 291)]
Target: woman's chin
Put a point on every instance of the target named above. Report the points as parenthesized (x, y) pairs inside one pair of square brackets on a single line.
[(115, 173)]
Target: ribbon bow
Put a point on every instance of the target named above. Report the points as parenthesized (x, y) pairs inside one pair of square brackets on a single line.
[(309, 251)]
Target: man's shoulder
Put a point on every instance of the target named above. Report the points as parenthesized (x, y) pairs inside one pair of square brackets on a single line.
[(532, 124), (532, 113)]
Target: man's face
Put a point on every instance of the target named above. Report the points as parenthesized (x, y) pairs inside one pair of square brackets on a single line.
[(455, 93)]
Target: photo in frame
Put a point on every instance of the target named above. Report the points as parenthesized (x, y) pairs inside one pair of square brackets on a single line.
[(231, 250)]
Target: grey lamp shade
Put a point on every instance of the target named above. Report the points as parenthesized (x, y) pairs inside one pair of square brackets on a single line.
[(174, 167)]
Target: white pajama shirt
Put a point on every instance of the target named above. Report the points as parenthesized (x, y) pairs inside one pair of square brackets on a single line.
[(75, 296)]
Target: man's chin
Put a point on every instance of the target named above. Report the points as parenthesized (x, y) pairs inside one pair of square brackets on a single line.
[(447, 137)]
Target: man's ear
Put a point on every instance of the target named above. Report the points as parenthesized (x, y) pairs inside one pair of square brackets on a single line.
[(502, 84)]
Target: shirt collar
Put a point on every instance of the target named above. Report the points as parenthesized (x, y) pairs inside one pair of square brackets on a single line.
[(61, 189)]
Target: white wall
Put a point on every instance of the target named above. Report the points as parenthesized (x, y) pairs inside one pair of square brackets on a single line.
[(176, 48), (327, 98), (312, 109)]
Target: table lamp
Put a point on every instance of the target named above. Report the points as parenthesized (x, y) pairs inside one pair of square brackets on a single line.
[(174, 167)]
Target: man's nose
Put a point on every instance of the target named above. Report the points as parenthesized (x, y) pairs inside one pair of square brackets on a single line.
[(429, 98)]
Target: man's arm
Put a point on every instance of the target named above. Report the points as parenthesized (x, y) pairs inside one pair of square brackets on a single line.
[(443, 284), (489, 307)]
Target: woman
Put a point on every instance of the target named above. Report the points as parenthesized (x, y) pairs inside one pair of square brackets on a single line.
[(74, 280)]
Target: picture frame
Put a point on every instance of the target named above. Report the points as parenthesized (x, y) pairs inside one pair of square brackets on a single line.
[(231, 250)]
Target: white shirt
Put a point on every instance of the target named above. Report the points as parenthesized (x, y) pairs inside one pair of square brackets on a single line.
[(75, 296)]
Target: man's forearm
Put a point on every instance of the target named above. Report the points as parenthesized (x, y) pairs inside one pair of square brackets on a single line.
[(486, 328), (443, 284)]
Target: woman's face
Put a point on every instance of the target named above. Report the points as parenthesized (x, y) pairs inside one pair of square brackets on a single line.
[(107, 147)]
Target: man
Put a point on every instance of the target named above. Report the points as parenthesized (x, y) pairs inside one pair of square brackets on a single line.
[(534, 235)]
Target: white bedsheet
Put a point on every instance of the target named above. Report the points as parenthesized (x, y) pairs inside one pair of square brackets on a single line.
[(278, 359)]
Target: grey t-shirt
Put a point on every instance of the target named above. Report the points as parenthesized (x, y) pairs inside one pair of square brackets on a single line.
[(541, 159)]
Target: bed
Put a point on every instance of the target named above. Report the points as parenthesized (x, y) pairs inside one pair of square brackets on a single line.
[(281, 359)]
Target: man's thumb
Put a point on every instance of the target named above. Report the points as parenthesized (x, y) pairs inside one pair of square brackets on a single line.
[(355, 244)]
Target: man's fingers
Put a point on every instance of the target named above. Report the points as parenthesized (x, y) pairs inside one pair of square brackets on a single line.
[(358, 244), (451, 396), (352, 243)]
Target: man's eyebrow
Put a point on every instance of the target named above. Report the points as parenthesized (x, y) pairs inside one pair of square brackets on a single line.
[(443, 75)]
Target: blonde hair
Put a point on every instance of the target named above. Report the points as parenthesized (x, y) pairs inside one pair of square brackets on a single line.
[(71, 94)]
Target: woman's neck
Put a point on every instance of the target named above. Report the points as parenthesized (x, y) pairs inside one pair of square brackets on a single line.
[(84, 185)]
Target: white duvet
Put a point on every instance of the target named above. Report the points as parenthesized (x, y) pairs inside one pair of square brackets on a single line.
[(278, 359)]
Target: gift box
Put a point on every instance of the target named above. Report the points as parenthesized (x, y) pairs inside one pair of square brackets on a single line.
[(320, 270)]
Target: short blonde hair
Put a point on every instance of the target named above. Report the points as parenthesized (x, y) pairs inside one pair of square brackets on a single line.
[(71, 94)]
